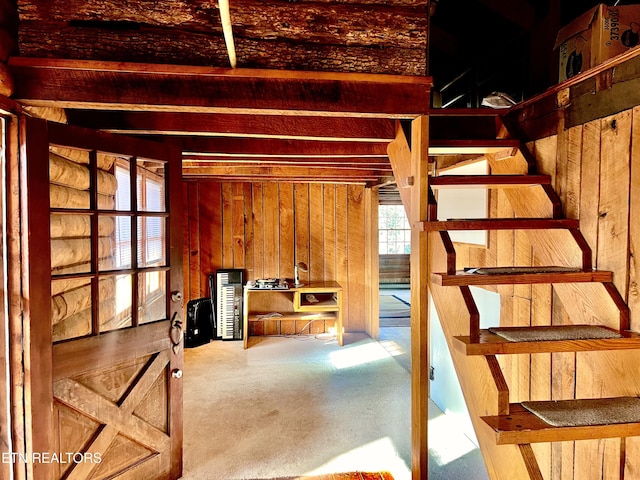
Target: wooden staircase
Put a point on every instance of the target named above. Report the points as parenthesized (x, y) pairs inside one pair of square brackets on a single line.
[(562, 258)]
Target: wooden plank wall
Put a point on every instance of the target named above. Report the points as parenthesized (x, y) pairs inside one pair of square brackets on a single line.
[(265, 228)]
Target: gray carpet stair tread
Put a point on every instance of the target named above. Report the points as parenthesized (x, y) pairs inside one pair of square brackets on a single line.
[(586, 412), (550, 333)]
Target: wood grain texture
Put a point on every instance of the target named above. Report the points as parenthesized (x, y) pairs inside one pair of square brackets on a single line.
[(227, 225), (271, 231), (316, 232), (238, 226), (356, 264), (329, 215), (633, 296), (287, 232)]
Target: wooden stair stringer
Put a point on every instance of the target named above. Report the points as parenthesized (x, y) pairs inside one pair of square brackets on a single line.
[(399, 153), (474, 373)]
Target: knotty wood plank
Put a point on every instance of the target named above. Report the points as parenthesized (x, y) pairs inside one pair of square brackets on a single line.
[(238, 226), (545, 154), (287, 231), (302, 221), (194, 242), (258, 230), (342, 251), (505, 245), (613, 224), (316, 232), (210, 231), (590, 185), (372, 261), (633, 297), (356, 265), (227, 225), (205, 89), (329, 218), (249, 257), (271, 216)]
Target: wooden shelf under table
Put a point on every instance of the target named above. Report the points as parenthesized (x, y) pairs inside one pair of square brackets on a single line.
[(295, 306)]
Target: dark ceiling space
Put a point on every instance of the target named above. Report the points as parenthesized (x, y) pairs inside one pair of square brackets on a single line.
[(481, 46)]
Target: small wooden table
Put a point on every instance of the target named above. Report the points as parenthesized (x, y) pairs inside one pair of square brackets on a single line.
[(293, 304)]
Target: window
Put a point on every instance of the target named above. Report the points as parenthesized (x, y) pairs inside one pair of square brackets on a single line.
[(393, 230)]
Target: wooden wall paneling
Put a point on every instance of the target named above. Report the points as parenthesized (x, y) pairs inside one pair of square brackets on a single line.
[(271, 230), (571, 202), (194, 241), (615, 175), (633, 297), (227, 225), (356, 266), (563, 387), (258, 230), (248, 235), (522, 364), (316, 233), (342, 253), (523, 256), (210, 232), (590, 186), (505, 241), (372, 260), (329, 239), (287, 246), (541, 367), (545, 154), (302, 221), (186, 246), (238, 226)]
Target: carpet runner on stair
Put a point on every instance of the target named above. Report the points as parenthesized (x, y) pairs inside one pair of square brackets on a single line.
[(558, 332)]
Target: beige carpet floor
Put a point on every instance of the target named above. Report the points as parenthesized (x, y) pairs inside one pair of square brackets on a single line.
[(302, 406)]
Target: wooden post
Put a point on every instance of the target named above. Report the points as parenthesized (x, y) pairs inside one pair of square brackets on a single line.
[(419, 298)]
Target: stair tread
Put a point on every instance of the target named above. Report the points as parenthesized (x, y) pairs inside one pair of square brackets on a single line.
[(520, 276), (499, 224), (487, 181), (489, 343), (473, 146), (521, 426)]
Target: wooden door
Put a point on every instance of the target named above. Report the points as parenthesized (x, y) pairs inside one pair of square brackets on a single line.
[(103, 345)]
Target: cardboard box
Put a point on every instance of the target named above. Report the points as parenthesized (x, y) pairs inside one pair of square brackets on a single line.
[(596, 35)]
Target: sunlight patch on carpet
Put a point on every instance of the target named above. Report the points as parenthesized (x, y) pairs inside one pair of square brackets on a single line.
[(379, 455), (348, 356)]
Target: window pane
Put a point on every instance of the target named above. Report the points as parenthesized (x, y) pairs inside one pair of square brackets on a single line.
[(123, 192), (70, 308), (152, 297), (151, 183), (70, 243), (114, 242), (115, 294), (151, 241)]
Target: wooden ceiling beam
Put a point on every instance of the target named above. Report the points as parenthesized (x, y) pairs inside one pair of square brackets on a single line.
[(302, 174), (126, 86), (337, 162), (260, 147), (334, 167), (261, 126)]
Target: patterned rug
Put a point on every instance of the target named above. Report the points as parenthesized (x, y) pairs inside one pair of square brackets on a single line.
[(394, 311)]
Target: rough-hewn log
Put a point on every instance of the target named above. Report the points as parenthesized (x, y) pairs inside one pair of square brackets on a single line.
[(69, 251), (7, 86), (63, 285), (73, 301), (79, 324), (65, 197), (159, 45), (105, 162), (79, 226), (327, 23), (71, 174)]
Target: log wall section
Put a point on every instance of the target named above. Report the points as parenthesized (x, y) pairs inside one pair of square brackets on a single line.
[(265, 228), (595, 169)]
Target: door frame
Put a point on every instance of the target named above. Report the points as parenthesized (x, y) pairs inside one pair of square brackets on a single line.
[(32, 181)]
